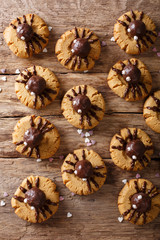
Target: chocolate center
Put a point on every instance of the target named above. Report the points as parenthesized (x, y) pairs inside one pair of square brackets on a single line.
[(24, 32), (81, 104), (131, 73), (35, 197), (80, 47), (137, 28), (33, 137), (135, 149), (141, 202), (83, 169), (36, 84)]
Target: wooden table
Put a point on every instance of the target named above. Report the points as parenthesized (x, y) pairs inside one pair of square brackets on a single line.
[(95, 216)]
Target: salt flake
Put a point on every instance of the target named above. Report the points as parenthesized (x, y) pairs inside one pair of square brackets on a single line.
[(61, 198), (5, 194), (17, 71), (45, 50), (124, 181), (69, 214), (50, 28), (2, 203), (120, 219), (112, 39), (4, 78), (138, 175), (39, 160)]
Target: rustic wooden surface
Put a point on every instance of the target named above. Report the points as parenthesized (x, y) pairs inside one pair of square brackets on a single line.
[(94, 216)]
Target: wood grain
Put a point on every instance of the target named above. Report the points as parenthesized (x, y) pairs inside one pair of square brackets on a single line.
[(94, 216)]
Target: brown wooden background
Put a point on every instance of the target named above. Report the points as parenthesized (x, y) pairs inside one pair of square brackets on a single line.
[(94, 216)]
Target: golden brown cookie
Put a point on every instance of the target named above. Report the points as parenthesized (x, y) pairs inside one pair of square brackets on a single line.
[(36, 200), (151, 111), (36, 137), (78, 49), (139, 201), (131, 149), (83, 172), (36, 87), (27, 35), (134, 32), (83, 106), (130, 79)]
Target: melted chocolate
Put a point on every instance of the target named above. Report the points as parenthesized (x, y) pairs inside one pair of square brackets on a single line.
[(24, 32), (132, 73), (137, 28), (141, 202), (36, 84), (84, 169), (135, 148), (33, 137), (35, 197), (80, 47), (81, 104)]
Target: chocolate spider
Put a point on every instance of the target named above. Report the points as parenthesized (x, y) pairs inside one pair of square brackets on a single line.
[(36, 85), (141, 202), (132, 76), (137, 30), (83, 106), (33, 136), (36, 198), (133, 148), (84, 170), (155, 108), (80, 48), (25, 32)]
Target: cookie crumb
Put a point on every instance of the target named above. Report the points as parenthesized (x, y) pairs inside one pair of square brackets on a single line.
[(50, 28), (45, 50), (87, 140), (4, 78), (61, 198), (3, 70), (5, 194), (79, 131), (69, 215), (138, 175), (112, 39), (154, 49), (17, 71), (158, 54), (103, 44), (2, 203), (120, 219), (124, 181), (51, 159), (39, 160)]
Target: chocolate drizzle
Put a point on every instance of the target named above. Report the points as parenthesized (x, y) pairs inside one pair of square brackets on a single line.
[(83, 169), (80, 48), (140, 202), (36, 198), (157, 107), (36, 85), (133, 147), (25, 33), (82, 105), (137, 30), (33, 137), (132, 76)]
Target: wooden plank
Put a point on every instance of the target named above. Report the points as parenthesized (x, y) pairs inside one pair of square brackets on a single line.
[(70, 139), (93, 216), (11, 106)]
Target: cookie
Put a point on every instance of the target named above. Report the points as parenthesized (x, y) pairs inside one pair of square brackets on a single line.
[(134, 32), (27, 35), (139, 201), (36, 87), (131, 149), (78, 49), (83, 106), (83, 172), (151, 111), (36, 200), (36, 137), (130, 79)]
